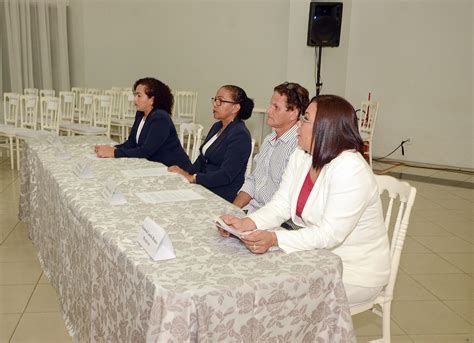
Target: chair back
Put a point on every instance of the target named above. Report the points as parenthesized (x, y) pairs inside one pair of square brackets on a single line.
[(93, 91), (29, 111), (102, 111), (406, 197), (86, 109), (30, 91), (367, 118), (46, 92), (11, 104), (248, 170), (128, 105), (190, 137), (185, 106), (77, 94), (50, 114), (66, 107), (116, 103)]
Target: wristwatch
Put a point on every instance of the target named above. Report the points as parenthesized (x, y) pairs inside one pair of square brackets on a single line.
[(194, 178)]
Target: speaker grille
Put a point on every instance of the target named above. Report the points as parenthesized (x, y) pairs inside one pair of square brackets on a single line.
[(324, 25)]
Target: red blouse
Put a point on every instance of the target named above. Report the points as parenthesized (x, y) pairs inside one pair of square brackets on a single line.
[(304, 194)]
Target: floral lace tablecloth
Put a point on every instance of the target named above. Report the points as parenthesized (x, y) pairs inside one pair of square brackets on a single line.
[(110, 290)]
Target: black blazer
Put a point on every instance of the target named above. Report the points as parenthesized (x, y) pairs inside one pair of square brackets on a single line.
[(222, 168), (158, 141)]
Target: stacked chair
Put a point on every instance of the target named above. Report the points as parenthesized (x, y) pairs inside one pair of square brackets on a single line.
[(184, 109), (190, 137), (11, 104)]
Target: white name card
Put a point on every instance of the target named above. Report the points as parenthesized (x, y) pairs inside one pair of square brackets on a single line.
[(154, 239), (83, 171), (111, 194)]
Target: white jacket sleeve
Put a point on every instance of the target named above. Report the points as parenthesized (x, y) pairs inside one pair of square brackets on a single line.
[(348, 189)]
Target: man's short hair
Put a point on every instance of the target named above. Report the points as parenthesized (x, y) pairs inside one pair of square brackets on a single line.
[(296, 96)]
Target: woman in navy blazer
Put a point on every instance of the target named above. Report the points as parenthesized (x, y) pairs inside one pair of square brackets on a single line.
[(153, 135), (224, 154)]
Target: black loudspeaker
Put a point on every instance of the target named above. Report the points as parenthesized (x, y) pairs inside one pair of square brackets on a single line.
[(324, 25)]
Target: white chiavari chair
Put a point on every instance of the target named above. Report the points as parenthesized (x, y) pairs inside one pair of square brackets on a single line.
[(77, 93), (46, 92), (11, 104), (184, 109), (28, 122), (190, 137), (406, 198), (66, 111), (128, 113), (30, 91), (100, 121)]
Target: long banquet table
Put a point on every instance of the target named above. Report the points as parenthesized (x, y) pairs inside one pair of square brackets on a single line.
[(214, 290)]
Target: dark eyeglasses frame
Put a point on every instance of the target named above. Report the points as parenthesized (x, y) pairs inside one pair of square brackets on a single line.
[(219, 102)]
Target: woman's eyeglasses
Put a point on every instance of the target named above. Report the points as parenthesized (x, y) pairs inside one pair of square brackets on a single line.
[(219, 101), (304, 120)]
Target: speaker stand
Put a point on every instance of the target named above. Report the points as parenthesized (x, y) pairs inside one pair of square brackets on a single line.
[(319, 84)]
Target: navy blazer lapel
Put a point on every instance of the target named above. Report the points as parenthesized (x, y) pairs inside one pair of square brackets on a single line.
[(219, 139)]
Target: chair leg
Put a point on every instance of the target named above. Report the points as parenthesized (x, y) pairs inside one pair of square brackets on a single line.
[(386, 321), (370, 154), (18, 154), (12, 162)]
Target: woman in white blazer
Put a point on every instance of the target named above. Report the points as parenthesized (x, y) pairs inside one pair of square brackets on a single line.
[(328, 189)]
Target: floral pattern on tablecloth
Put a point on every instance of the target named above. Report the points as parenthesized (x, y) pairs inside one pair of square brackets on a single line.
[(215, 290)]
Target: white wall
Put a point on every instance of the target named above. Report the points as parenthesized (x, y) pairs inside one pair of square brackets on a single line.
[(414, 56), (301, 58), (416, 59), (191, 45)]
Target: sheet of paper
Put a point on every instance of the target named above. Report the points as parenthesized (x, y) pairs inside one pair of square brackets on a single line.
[(169, 196), (220, 224), (144, 172)]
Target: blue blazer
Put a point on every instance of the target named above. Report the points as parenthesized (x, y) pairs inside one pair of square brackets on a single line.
[(158, 141), (222, 168)]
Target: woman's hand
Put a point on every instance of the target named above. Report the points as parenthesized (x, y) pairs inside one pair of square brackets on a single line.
[(260, 241), (239, 224), (104, 151), (180, 171)]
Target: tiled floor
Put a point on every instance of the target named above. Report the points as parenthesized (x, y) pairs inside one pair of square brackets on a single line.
[(433, 295)]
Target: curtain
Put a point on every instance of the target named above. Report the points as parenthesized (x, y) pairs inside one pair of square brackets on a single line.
[(33, 38)]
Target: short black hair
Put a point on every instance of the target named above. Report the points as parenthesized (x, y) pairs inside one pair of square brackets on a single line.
[(296, 96), (163, 97)]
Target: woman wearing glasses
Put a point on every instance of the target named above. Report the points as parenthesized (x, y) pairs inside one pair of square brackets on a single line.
[(153, 135), (224, 154), (330, 190)]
